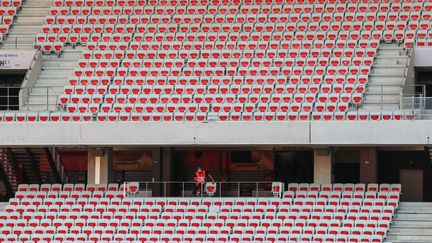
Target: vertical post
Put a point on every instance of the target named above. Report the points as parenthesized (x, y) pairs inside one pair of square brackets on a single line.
[(146, 188), (7, 98), (183, 189), (28, 93), (201, 191), (220, 189), (238, 189), (164, 188), (257, 189), (323, 165), (47, 99), (124, 189)]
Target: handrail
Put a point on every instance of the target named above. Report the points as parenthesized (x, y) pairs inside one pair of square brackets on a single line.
[(16, 93), (408, 84), (235, 188)]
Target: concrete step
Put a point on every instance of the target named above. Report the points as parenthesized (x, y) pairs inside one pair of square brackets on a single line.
[(409, 238), (18, 46), (26, 29), (34, 10), (412, 223), (382, 89), (37, 4), (42, 98), (379, 107), (415, 217), (390, 52), (385, 80), (60, 63), (29, 19), (36, 107), (379, 70), (63, 71), (27, 23)]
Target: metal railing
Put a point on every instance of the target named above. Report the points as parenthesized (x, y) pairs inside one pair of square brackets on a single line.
[(16, 42), (421, 107), (408, 84), (416, 103), (10, 97), (223, 189)]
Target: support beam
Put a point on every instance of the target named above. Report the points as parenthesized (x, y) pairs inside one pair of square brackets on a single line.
[(368, 165), (167, 170), (323, 166), (99, 165), (157, 172)]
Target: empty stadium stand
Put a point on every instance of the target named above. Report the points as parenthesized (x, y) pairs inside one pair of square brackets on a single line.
[(305, 213), (226, 60)]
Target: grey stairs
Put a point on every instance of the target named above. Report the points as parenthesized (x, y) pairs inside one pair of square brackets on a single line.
[(8, 171), (412, 223), (55, 74), (386, 78), (28, 159)]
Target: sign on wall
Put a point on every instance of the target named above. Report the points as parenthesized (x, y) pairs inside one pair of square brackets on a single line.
[(16, 59)]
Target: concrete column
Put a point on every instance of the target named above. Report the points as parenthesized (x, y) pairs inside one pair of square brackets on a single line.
[(167, 170), (157, 172), (99, 165), (323, 166), (368, 165)]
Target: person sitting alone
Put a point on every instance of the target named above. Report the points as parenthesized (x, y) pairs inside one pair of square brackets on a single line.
[(200, 180)]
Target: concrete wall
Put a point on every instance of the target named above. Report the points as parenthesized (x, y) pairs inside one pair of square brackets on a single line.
[(215, 133), (99, 167), (323, 166), (422, 57)]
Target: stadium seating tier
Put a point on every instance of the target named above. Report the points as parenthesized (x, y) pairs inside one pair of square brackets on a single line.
[(305, 213)]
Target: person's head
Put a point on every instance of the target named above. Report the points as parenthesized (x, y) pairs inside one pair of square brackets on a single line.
[(199, 168)]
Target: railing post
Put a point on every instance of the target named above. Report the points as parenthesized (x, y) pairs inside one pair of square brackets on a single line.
[(202, 190), (183, 189), (47, 99), (164, 188), (382, 96), (257, 189), (238, 188), (146, 188), (220, 189), (28, 98), (7, 98)]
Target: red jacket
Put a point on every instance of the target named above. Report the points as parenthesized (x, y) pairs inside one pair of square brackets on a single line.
[(200, 176)]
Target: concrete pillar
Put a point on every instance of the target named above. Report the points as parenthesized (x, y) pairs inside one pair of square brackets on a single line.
[(323, 166), (157, 172), (99, 165), (167, 170), (368, 165)]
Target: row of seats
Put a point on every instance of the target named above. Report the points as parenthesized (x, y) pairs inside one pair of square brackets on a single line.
[(276, 238), (244, 212), (222, 116), (254, 6)]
